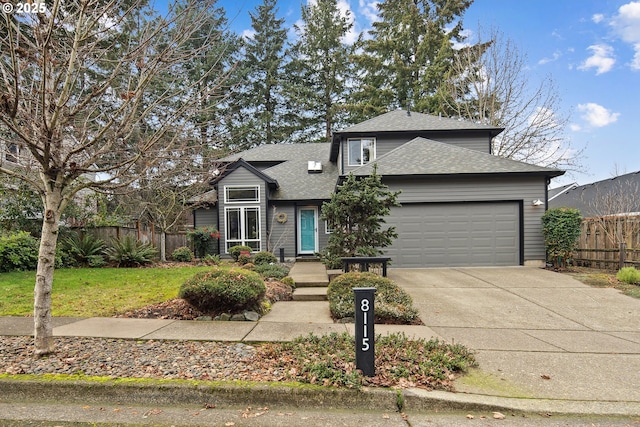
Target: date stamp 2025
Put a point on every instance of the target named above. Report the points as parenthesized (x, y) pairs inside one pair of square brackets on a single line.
[(25, 7)]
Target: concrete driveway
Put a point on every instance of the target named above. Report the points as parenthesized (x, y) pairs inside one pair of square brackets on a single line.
[(536, 333)]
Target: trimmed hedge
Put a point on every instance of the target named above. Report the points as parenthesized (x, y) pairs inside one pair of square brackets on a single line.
[(223, 290), (392, 303)]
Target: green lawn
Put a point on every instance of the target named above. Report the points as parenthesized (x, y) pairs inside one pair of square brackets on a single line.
[(87, 292)]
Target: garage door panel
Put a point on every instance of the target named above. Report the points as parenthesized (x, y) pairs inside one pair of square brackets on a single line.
[(469, 234)]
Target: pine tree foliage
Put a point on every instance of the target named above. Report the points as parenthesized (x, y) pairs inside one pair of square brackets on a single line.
[(319, 71), (264, 66), (408, 55), (356, 214)]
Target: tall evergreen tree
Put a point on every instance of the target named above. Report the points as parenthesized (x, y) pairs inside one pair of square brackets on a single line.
[(319, 72), (408, 56), (264, 65)]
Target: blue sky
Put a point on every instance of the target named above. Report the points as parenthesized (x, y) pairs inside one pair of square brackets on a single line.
[(590, 48)]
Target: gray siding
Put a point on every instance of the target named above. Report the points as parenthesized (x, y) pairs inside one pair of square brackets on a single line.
[(282, 235), (242, 176), (525, 189), (206, 217), (386, 143)]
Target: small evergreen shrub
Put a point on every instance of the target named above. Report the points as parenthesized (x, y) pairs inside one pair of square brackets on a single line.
[(244, 259), (182, 254), (86, 250), (18, 251), (223, 290), (129, 252), (275, 271), (629, 275), (265, 258), (392, 303), (288, 280), (235, 251)]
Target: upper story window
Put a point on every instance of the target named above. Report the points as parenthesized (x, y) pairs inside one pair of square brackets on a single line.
[(361, 151), (241, 194)]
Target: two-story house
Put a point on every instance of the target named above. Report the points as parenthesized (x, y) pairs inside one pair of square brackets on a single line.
[(461, 205)]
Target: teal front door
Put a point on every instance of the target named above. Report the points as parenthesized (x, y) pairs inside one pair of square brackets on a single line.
[(308, 230)]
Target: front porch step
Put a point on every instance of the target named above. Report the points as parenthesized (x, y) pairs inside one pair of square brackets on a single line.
[(310, 294), (313, 284), (309, 258)]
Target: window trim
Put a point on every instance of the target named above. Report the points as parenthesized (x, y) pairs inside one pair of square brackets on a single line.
[(372, 155), (240, 187), (327, 229), (242, 219)]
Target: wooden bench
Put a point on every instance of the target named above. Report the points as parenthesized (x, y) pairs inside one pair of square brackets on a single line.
[(364, 263)]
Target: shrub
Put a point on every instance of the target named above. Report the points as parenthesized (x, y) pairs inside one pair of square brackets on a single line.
[(211, 259), (629, 275), (275, 271), (223, 290), (561, 230), (202, 238), (289, 281), (182, 254), (18, 251), (235, 251), (265, 258), (392, 303), (128, 252), (244, 259), (86, 250)]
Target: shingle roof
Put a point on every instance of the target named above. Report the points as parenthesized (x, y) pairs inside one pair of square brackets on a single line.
[(400, 121), (422, 156), (296, 183), (282, 152), (291, 172), (591, 199)]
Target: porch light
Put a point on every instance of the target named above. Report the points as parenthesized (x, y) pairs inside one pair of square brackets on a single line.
[(537, 202)]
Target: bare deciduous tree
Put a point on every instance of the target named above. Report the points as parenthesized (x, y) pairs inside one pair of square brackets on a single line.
[(491, 85), (94, 92)]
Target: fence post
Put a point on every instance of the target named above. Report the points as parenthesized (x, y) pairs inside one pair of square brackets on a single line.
[(623, 254)]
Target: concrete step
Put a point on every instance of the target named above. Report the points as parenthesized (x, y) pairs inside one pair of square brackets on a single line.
[(310, 294), (312, 284)]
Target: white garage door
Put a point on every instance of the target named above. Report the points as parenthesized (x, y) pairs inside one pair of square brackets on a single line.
[(456, 234)]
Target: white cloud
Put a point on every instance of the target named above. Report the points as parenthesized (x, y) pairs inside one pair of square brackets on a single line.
[(575, 127), (596, 115), (597, 18), (556, 55), (602, 59), (627, 25), (369, 9), (248, 34)]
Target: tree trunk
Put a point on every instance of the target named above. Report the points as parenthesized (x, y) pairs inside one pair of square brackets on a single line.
[(163, 246), (43, 329)]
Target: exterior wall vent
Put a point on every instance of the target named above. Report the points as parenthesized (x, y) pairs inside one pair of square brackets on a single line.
[(314, 167)]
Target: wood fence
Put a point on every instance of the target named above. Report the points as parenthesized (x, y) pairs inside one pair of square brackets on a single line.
[(145, 234), (610, 242)]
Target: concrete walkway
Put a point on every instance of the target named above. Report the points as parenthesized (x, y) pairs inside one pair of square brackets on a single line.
[(544, 341)]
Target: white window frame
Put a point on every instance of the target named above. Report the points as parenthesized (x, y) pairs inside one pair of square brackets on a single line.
[(227, 200), (327, 229), (243, 239), (372, 154)]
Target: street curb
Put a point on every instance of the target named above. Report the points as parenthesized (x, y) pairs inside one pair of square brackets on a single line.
[(293, 396)]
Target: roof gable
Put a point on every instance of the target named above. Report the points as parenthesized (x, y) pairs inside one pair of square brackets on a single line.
[(422, 156), (240, 163)]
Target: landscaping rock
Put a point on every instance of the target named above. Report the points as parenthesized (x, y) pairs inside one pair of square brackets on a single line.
[(237, 318), (251, 316)]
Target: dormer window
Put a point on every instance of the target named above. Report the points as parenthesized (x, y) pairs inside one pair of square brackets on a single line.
[(361, 151)]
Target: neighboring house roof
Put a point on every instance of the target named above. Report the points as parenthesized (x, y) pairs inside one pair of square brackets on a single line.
[(619, 195), (422, 156), (555, 192)]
